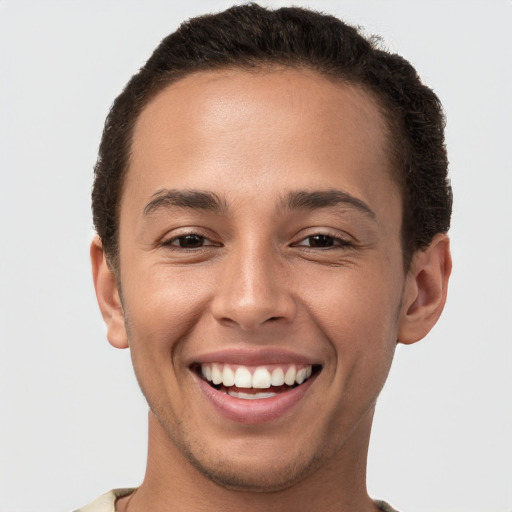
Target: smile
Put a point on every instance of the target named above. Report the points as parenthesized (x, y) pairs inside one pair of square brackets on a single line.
[(247, 383)]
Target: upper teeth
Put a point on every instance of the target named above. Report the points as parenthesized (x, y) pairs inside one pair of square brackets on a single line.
[(260, 377)]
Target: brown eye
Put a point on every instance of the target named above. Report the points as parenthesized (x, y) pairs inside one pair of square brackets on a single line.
[(320, 241), (190, 241), (324, 241)]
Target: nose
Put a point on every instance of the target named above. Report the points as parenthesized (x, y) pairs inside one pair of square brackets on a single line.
[(253, 290)]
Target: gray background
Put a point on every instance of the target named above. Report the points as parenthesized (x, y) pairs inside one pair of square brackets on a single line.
[(72, 420)]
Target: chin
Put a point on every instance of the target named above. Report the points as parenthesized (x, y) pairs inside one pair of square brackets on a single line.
[(258, 468), (253, 476)]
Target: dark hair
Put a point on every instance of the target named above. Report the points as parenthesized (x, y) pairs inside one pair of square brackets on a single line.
[(252, 37)]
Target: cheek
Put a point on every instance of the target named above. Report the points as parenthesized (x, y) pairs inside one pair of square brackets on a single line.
[(163, 309), (358, 313)]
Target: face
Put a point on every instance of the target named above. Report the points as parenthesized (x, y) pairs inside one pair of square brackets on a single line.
[(261, 271)]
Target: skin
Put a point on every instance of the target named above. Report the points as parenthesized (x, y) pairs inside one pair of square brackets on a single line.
[(326, 283)]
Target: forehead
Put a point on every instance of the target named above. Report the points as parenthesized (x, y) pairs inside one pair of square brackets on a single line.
[(224, 129)]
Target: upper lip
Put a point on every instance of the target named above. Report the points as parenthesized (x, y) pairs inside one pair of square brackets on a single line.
[(254, 357)]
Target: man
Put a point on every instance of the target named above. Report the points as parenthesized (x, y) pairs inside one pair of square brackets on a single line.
[(271, 203)]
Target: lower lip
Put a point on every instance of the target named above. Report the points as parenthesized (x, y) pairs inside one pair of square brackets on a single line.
[(252, 412)]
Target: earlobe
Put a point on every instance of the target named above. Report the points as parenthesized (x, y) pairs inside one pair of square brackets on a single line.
[(107, 294), (425, 290)]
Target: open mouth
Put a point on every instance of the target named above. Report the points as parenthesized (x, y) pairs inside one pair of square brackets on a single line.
[(254, 383)]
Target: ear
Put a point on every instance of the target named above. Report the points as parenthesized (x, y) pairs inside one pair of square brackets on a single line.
[(425, 290), (108, 296)]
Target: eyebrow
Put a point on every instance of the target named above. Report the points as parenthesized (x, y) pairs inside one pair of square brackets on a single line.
[(311, 200), (195, 199), (297, 200)]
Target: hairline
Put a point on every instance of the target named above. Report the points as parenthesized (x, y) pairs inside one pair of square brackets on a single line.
[(167, 79)]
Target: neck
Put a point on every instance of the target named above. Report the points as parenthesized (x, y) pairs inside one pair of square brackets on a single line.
[(173, 483)]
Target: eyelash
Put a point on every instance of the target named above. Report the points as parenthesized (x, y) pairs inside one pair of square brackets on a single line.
[(335, 242), (174, 243)]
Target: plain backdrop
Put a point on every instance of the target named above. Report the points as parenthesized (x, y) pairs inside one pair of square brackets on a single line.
[(72, 419)]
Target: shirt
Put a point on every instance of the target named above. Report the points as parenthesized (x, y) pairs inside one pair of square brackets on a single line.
[(107, 502)]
